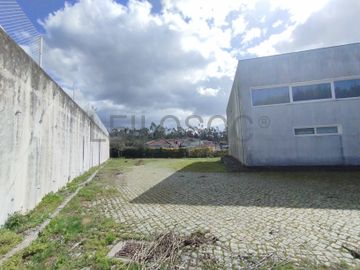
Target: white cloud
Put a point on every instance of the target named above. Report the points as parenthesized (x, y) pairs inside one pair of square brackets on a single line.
[(182, 59), (326, 23), (203, 10), (299, 11), (208, 91), (239, 25), (333, 25), (251, 35), (268, 47), (126, 57), (277, 23)]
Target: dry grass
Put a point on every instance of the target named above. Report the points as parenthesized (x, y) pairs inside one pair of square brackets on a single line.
[(164, 252)]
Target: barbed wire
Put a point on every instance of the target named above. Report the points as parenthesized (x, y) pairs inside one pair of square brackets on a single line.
[(19, 27)]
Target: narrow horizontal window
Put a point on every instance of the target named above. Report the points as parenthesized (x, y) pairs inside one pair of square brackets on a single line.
[(304, 131), (316, 131), (327, 130), (311, 92), (268, 96), (347, 88)]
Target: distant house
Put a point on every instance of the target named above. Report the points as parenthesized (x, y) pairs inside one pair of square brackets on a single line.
[(162, 144), (299, 108), (190, 143), (209, 144), (180, 143)]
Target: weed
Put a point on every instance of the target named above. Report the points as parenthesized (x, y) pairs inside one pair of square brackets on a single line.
[(306, 265), (211, 264), (8, 240), (67, 227), (41, 212), (110, 238), (76, 238), (74, 184), (20, 223), (117, 164), (15, 221)]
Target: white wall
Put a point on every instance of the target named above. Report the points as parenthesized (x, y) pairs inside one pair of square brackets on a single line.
[(45, 138)]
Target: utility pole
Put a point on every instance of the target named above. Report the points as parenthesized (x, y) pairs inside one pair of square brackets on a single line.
[(41, 51)]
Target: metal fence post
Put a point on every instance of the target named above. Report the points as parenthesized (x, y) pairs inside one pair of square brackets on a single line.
[(41, 51)]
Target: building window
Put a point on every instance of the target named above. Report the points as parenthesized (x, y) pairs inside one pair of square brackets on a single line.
[(317, 131), (304, 131), (327, 130), (347, 88), (311, 92), (268, 96)]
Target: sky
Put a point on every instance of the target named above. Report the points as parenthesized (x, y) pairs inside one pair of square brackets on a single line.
[(175, 57)]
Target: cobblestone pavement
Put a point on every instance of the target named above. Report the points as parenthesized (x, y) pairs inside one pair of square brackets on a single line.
[(298, 215)]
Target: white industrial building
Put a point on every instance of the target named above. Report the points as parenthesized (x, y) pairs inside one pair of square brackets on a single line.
[(299, 108)]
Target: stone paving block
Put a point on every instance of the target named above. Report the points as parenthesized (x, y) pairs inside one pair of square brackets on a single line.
[(247, 213)]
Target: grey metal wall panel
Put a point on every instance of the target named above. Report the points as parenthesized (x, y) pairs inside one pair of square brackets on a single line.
[(276, 144)]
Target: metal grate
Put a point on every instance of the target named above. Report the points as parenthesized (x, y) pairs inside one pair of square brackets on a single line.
[(19, 27)]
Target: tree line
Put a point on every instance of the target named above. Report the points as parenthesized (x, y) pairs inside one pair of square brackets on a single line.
[(122, 138)]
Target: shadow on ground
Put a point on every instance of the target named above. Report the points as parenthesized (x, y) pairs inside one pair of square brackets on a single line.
[(290, 189)]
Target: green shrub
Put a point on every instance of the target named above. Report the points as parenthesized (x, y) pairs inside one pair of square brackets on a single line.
[(8, 240), (15, 221), (21, 222), (167, 153)]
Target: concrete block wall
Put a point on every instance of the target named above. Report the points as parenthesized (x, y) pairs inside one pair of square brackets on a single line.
[(46, 139)]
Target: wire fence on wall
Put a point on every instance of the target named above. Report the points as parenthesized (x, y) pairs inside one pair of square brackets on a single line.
[(19, 27)]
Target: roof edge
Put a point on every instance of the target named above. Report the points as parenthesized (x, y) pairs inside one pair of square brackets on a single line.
[(300, 51)]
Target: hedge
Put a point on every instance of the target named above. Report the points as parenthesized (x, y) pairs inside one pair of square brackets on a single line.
[(166, 153)]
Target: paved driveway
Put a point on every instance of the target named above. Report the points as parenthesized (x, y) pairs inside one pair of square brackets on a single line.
[(298, 215)]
